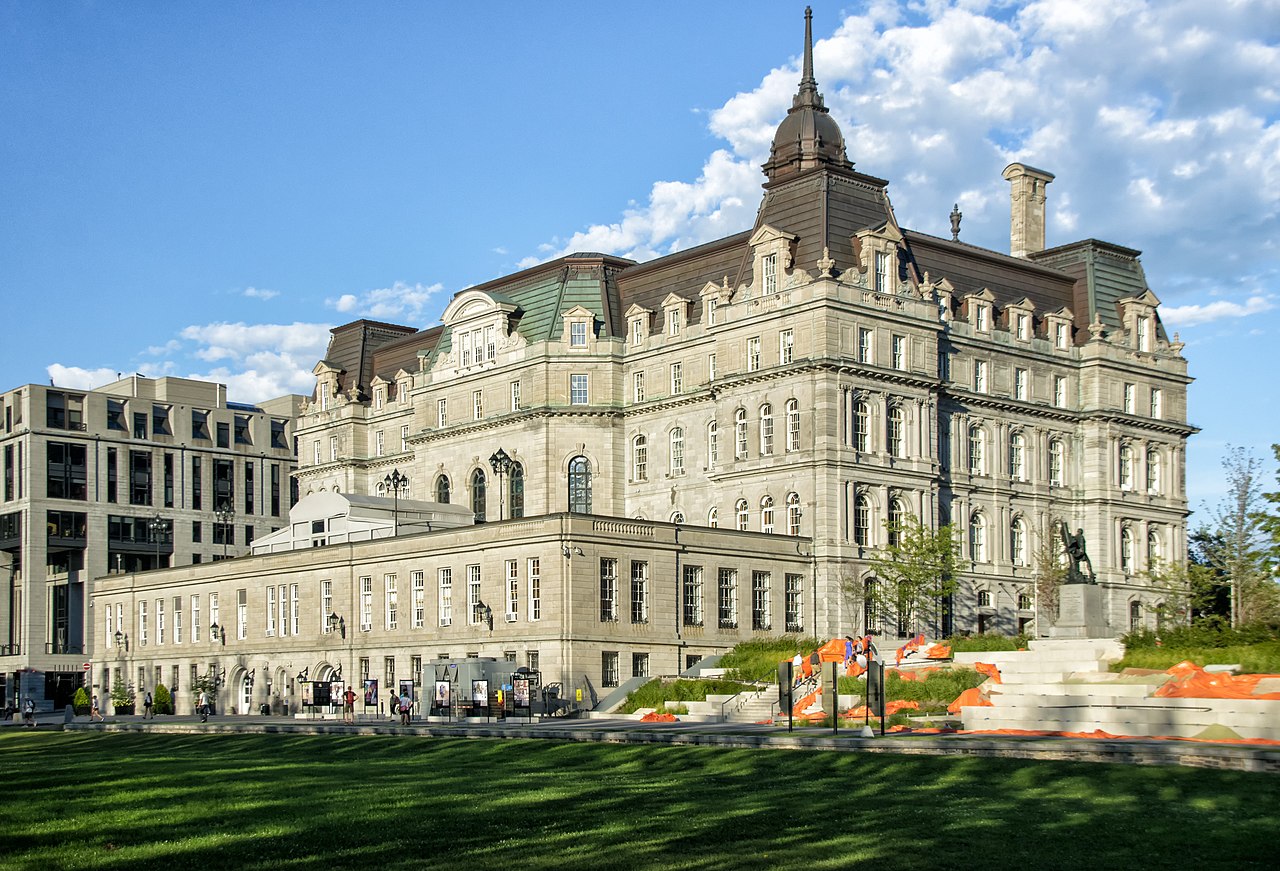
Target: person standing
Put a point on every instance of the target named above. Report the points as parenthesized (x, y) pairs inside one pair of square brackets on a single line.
[(95, 711), (406, 705), (202, 705), (148, 708), (349, 706)]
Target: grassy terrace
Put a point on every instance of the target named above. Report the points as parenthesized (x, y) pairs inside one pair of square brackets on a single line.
[(74, 800)]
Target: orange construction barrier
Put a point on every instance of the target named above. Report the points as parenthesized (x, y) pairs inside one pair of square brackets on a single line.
[(989, 670), (1190, 681), (938, 651), (655, 717), (970, 698), (890, 708)]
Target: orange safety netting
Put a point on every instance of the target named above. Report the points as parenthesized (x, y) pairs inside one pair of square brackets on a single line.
[(989, 670), (919, 645), (938, 651), (890, 708), (970, 698), (655, 717), (910, 647), (1190, 681)]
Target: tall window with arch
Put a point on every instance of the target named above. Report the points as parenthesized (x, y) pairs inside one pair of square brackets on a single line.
[(766, 514), (977, 450), (1057, 463), (793, 514), (442, 489), (766, 430), (1018, 541), (1018, 456), (872, 623), (677, 451), (741, 510), (977, 537), (1126, 467), (579, 485), (1155, 548), (1135, 615), (862, 520), (713, 517), (1126, 550), (861, 426), (478, 495), (894, 527), (793, 425), (516, 484), (740, 433), (713, 445), (1153, 471), (894, 432), (640, 458)]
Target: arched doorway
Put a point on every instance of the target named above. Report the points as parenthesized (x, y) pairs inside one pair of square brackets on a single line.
[(244, 694)]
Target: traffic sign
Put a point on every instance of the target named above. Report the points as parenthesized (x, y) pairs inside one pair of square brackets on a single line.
[(86, 666)]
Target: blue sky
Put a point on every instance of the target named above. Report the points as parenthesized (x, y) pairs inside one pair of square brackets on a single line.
[(204, 190)]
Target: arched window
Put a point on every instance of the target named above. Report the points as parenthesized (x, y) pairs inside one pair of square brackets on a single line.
[(740, 433), (977, 538), (677, 451), (793, 514), (1017, 456), (977, 450), (894, 527), (517, 490), (442, 489), (1057, 463), (861, 426), (871, 619), (766, 514), (766, 430), (895, 432), (579, 485), (380, 489), (1153, 471), (1135, 616), (984, 598), (478, 495), (640, 458), (862, 520), (713, 445), (713, 518), (1018, 541), (1126, 551), (677, 517), (741, 510), (793, 425), (1126, 467), (1155, 548)]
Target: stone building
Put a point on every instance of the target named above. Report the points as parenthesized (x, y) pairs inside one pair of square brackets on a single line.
[(803, 384), (124, 478)]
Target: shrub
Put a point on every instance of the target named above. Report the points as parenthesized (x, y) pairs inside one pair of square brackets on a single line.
[(122, 696), (163, 700), (657, 693), (934, 693), (80, 701), (758, 660), (987, 642), (1204, 633)]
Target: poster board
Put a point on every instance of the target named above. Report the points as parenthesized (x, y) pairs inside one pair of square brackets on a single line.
[(480, 698), (336, 688), (371, 693), (520, 689), (440, 699)]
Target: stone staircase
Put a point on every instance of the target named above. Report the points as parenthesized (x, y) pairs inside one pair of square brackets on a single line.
[(754, 707), (1063, 685)]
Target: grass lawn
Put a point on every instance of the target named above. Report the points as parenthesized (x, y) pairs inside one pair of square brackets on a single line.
[(74, 800)]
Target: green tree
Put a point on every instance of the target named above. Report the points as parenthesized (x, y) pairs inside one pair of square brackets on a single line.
[(1049, 564), (163, 700), (122, 695), (80, 701), (916, 570), (1234, 543)]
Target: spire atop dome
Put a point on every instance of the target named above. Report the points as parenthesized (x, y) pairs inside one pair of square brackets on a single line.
[(808, 136)]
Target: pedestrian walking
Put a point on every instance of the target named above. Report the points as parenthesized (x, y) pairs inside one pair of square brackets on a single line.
[(148, 708), (406, 705), (202, 705), (29, 713), (95, 711)]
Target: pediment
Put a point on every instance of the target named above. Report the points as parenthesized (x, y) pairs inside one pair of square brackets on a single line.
[(471, 304), (769, 233), (636, 310)]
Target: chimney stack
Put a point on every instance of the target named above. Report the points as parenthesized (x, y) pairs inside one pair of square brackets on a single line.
[(1026, 226)]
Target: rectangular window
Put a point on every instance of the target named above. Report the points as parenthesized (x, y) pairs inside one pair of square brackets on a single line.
[(293, 609), (242, 430), (760, 611), (637, 331), (609, 668), (639, 591), (1144, 334), (159, 615), (711, 367), (1060, 336), (115, 416), (711, 312), (769, 266), (980, 317), (326, 604), (419, 582), (277, 434), (113, 475), (1129, 393), (578, 334), (864, 345), (404, 438), (534, 567), (637, 387), (677, 378), (692, 610), (477, 405), (197, 632), (513, 590), (391, 598), (271, 611), (608, 590), (248, 487), (444, 579), (378, 443), (727, 599), (139, 425), (794, 604), (224, 434), (366, 604), (316, 452), (139, 478), (1020, 327), (1059, 391), (475, 605), (168, 480), (242, 614), (1157, 403), (639, 665), (786, 346), (898, 351), (389, 672), (673, 322), (753, 354), (1020, 384), (577, 389), (515, 395), (67, 471), (979, 376), (214, 614), (442, 412), (333, 448), (677, 452), (466, 349), (882, 272)]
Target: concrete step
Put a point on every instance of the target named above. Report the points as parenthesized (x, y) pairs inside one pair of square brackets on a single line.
[(1034, 694), (1183, 723)]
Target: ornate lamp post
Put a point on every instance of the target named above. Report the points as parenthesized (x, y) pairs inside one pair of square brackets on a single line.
[(156, 526), (395, 481), (501, 463), (226, 516)]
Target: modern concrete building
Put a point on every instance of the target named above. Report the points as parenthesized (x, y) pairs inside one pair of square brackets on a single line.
[(139, 474), (783, 396)]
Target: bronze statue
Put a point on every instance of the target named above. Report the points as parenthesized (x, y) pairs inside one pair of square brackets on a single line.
[(1073, 545)]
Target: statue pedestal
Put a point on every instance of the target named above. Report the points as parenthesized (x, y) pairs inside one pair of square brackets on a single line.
[(1081, 613)]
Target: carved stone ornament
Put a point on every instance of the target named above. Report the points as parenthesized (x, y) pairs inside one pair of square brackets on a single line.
[(825, 264)]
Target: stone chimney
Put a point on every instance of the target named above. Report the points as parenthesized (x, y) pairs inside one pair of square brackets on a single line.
[(1026, 227)]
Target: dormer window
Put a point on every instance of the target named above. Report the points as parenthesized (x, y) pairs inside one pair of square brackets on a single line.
[(711, 312), (637, 332), (379, 397), (578, 334), (1144, 334), (1021, 327), (673, 322), (1060, 336), (771, 250), (981, 316), (882, 272), (769, 266)]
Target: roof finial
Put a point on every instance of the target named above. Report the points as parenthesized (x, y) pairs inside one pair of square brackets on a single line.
[(956, 215), (808, 94)]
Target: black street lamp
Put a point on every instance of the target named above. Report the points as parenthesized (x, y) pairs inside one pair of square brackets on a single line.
[(337, 624), (122, 640), (217, 633), (226, 516), (156, 525), (394, 481), (501, 463)]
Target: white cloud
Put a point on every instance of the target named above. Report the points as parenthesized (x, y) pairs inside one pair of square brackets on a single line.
[(1196, 314), (259, 293), (80, 379), (400, 301)]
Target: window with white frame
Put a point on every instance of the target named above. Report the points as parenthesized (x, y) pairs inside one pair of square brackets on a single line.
[(378, 443), (442, 412), (981, 317), (271, 611), (639, 591), (1153, 471), (142, 622), (727, 598), (1017, 456), (893, 528), (1021, 391), (608, 590), (761, 617), (673, 322), (444, 585), (711, 312), (895, 432), (1126, 467), (742, 512), (692, 596), (418, 581), (862, 520), (316, 458), (677, 378), (379, 397), (404, 438), (898, 352), (977, 450), (977, 538), (1144, 334), (1018, 541), (864, 345), (333, 448), (766, 514), (753, 354), (766, 430), (980, 376), (326, 605), (578, 334), (515, 395), (159, 621), (740, 433), (793, 604), (197, 630), (242, 614), (786, 346), (609, 668), (109, 635), (533, 566), (793, 514), (578, 389), (283, 607), (391, 598), (793, 425), (1130, 392), (769, 266), (881, 272), (637, 331), (713, 445), (861, 426), (1155, 547), (1157, 403), (215, 618), (637, 386), (1060, 336), (713, 517), (475, 605), (477, 405), (293, 609), (366, 604), (1057, 462), (640, 458), (513, 590), (177, 619), (677, 451), (1059, 391), (1021, 327), (1126, 550), (711, 367)]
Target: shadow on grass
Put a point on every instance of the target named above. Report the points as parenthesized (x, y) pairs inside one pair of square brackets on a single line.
[(272, 801)]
